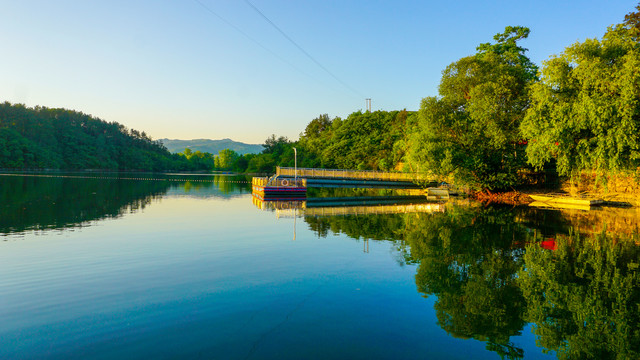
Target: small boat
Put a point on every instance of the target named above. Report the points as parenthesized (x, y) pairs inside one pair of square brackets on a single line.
[(565, 200), (544, 205)]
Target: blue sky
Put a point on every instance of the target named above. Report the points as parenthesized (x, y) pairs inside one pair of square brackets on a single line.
[(174, 69)]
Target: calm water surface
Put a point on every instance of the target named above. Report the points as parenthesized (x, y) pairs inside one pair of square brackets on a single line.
[(120, 267)]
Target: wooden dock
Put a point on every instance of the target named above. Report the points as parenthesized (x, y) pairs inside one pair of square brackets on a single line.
[(293, 182), (280, 188)]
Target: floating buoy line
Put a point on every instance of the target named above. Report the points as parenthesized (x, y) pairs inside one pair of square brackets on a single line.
[(128, 178)]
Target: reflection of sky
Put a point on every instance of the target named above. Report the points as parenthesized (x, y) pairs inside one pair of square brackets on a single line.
[(212, 277)]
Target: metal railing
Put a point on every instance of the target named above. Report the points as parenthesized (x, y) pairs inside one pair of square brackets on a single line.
[(276, 182), (348, 174)]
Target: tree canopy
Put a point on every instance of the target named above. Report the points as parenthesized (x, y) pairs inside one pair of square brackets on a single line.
[(585, 110), (44, 138), (471, 132)]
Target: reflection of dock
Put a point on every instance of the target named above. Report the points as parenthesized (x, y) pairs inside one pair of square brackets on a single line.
[(375, 209), (350, 206)]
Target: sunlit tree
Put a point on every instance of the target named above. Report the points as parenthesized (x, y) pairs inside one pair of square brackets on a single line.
[(585, 111), (470, 133)]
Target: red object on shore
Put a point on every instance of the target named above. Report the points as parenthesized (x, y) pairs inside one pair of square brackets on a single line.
[(549, 244)]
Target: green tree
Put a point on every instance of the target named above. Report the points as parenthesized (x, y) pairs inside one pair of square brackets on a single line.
[(471, 132), (41, 137), (632, 22), (262, 163), (187, 153), (314, 140), (275, 145), (278, 151), (242, 163), (363, 141), (585, 111), (226, 159)]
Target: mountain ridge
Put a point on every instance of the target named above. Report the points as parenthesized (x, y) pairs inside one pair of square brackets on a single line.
[(211, 146)]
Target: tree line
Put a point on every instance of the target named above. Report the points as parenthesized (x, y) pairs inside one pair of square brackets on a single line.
[(498, 118), (364, 141), (45, 138)]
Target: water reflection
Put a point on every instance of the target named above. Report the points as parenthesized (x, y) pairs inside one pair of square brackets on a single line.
[(573, 274), (56, 201), (584, 298), (34, 203), (342, 206), (489, 270), (218, 186), (469, 258)]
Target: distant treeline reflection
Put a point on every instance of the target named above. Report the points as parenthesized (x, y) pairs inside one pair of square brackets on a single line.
[(495, 269), (58, 201), (34, 203)]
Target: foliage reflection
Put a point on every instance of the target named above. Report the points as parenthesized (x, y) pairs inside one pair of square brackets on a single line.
[(58, 201), (495, 269), (584, 298)]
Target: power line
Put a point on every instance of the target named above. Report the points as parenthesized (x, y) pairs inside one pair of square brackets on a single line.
[(250, 38), (301, 49)]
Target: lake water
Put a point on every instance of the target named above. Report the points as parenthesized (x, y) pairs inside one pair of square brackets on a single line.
[(106, 266)]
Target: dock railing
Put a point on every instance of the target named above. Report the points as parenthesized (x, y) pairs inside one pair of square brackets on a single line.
[(349, 174), (276, 182)]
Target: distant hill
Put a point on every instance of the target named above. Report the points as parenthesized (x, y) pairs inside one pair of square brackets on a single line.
[(44, 138), (211, 146)]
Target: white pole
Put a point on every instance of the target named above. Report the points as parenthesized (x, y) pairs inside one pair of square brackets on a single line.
[(295, 166)]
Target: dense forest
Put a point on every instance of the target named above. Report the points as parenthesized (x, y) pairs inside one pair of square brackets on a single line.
[(499, 119), (43, 138)]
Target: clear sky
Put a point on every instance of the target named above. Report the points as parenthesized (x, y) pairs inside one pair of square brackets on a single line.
[(185, 69)]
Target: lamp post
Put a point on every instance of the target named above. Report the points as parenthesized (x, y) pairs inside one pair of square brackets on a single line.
[(295, 166)]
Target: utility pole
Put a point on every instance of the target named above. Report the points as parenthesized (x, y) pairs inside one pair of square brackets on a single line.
[(368, 104)]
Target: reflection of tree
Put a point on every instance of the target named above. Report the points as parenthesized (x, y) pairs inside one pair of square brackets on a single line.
[(233, 184), (584, 298), (47, 203), (374, 227), (468, 261), (222, 184), (351, 192), (201, 186)]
